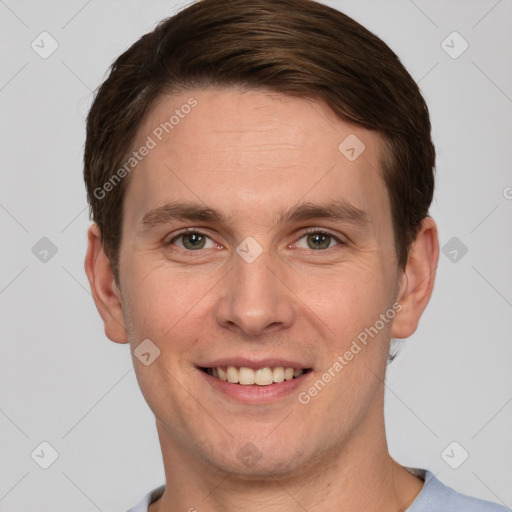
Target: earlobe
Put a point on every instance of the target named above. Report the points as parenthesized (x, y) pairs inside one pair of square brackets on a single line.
[(105, 292), (417, 282)]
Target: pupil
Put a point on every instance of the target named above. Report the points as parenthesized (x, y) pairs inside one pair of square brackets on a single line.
[(319, 241), (193, 241)]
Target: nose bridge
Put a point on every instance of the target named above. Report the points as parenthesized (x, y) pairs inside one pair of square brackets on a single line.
[(253, 298)]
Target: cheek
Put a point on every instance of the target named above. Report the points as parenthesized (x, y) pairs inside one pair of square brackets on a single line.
[(349, 299), (169, 309), (163, 302)]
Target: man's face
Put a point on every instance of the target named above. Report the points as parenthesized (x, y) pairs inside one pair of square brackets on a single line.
[(251, 239)]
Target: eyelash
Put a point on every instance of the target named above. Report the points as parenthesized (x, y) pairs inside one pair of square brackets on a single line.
[(308, 231)]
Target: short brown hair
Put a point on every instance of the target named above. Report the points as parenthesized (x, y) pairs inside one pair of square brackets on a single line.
[(297, 47)]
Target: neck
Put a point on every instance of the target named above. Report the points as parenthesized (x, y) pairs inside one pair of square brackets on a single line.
[(359, 476)]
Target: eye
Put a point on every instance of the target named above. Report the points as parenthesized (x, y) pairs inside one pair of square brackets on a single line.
[(192, 241), (317, 240)]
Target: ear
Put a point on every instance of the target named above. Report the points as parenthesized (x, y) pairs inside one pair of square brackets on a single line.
[(417, 281), (104, 289)]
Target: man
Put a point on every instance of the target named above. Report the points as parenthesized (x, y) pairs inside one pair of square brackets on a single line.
[(259, 174)]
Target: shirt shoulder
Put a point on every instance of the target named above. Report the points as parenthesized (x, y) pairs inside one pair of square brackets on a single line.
[(437, 497), (150, 497)]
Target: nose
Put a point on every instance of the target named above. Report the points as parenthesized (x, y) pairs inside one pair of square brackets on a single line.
[(254, 298)]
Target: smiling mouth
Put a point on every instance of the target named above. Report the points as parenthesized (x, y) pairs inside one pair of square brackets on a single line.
[(255, 377)]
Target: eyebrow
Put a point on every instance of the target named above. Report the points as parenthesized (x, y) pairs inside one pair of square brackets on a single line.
[(181, 211), (334, 210)]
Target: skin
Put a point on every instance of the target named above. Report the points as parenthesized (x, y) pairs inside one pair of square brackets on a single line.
[(252, 155)]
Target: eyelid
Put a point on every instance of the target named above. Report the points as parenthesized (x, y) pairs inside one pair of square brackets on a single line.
[(184, 231), (324, 231)]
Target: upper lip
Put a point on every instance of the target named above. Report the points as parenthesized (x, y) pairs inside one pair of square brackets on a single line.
[(254, 363)]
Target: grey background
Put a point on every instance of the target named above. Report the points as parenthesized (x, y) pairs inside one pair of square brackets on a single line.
[(63, 382)]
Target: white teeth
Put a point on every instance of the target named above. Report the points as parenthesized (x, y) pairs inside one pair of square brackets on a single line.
[(232, 374), (260, 377), (278, 374), (246, 376), (263, 376), (222, 374)]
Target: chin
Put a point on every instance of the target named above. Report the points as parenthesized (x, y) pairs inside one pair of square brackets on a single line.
[(260, 458), (263, 470)]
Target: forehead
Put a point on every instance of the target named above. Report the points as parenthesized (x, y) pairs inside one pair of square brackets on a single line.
[(259, 151)]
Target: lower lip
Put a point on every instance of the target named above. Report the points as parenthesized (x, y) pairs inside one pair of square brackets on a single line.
[(255, 394)]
